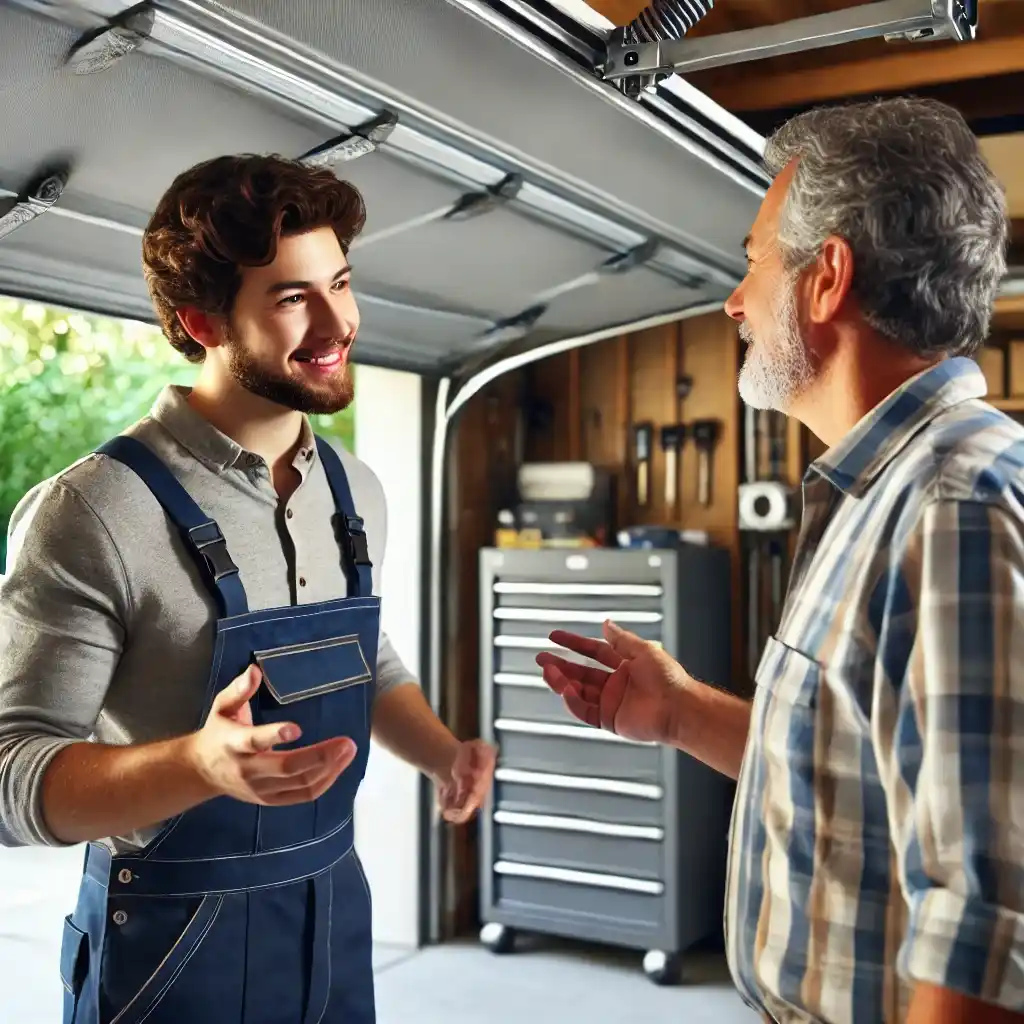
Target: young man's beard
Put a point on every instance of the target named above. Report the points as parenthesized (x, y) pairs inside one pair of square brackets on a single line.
[(334, 394)]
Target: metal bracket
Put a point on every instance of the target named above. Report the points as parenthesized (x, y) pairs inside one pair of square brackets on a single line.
[(623, 262), (366, 139), (473, 204), (916, 20), (40, 195), (101, 49), (513, 328)]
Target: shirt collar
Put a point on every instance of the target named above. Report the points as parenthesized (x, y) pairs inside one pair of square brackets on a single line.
[(201, 439), (856, 461)]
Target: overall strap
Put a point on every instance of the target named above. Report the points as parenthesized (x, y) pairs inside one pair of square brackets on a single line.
[(200, 533), (348, 527)]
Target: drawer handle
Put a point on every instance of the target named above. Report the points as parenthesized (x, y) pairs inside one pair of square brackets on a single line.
[(563, 824), (551, 780), (540, 643), (568, 731), (573, 877), (519, 679), (572, 615), (582, 589)]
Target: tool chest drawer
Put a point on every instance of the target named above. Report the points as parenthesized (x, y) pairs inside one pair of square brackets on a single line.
[(587, 834), (579, 894), (582, 843), (527, 697), (550, 746)]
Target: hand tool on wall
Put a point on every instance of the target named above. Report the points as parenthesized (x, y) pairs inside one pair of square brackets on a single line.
[(672, 438), (643, 436), (705, 435)]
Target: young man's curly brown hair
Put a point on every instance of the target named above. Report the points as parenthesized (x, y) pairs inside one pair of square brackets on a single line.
[(226, 214)]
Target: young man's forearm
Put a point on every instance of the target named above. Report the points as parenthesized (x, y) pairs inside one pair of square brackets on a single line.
[(92, 791), (710, 725), (405, 724)]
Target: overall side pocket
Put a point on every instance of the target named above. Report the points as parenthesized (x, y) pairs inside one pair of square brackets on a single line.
[(74, 967)]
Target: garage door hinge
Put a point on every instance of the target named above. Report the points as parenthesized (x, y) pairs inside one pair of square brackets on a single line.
[(44, 190), (365, 139)]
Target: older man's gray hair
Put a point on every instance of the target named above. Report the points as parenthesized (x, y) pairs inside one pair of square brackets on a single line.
[(904, 182)]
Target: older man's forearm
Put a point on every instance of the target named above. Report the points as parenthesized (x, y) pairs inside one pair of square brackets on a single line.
[(710, 725)]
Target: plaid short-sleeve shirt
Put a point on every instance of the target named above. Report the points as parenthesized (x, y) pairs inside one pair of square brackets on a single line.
[(878, 832)]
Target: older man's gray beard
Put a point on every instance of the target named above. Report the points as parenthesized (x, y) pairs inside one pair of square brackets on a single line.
[(778, 368)]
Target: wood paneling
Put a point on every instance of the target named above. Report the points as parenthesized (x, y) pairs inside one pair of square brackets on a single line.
[(981, 79), (605, 413), (902, 69), (618, 12), (997, 20)]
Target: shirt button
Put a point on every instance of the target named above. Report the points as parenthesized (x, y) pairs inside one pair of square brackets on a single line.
[(289, 514), (120, 917), (302, 581), (124, 876)]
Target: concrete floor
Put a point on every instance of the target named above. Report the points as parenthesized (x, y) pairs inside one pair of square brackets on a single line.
[(543, 981), (548, 982)]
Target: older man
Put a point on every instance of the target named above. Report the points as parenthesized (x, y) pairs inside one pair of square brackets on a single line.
[(877, 855)]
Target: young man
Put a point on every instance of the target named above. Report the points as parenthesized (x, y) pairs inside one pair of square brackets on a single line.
[(198, 599), (877, 859)]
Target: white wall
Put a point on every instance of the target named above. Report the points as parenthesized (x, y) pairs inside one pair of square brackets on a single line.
[(387, 428)]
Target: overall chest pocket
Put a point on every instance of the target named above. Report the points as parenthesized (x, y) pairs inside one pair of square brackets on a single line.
[(321, 685), (325, 687), (299, 671)]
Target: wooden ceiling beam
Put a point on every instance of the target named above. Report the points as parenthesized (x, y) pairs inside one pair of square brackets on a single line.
[(618, 12), (913, 66)]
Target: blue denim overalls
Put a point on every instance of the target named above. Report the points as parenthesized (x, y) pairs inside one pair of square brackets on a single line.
[(236, 913)]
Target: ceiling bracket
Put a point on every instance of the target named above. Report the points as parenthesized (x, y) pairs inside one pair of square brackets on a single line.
[(42, 192), (365, 139), (630, 259), (102, 48), (917, 20), (475, 204), (513, 328)]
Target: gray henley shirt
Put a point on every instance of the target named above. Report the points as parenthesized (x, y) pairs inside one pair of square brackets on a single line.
[(106, 626)]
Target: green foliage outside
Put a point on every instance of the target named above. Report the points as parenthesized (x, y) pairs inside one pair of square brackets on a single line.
[(69, 381)]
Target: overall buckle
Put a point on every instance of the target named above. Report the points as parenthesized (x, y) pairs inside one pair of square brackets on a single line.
[(358, 547), (210, 543)]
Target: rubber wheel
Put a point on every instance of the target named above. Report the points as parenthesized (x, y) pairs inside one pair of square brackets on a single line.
[(498, 938), (663, 968)]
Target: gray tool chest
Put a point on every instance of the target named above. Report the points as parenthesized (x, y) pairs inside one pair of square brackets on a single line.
[(587, 835)]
